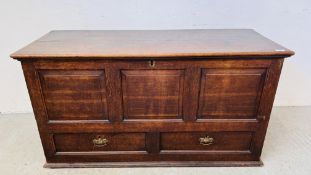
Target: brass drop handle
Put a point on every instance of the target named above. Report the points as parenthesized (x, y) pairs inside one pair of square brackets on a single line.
[(206, 141), (100, 141)]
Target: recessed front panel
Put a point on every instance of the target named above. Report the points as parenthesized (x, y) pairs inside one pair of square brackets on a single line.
[(152, 94), (74, 94), (230, 93)]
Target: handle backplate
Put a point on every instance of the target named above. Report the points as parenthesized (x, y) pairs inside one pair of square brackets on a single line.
[(100, 141), (206, 141)]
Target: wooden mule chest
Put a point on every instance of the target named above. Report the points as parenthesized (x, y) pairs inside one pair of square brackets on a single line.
[(152, 98)]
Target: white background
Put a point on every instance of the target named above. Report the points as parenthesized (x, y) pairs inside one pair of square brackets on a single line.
[(287, 22)]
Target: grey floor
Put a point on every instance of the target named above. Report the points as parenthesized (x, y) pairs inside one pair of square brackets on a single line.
[(287, 149)]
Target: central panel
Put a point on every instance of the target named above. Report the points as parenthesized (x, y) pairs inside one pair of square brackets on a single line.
[(152, 94)]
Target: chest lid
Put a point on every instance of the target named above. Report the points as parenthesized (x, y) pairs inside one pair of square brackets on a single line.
[(163, 44)]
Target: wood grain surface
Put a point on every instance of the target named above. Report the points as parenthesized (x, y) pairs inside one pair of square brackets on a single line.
[(151, 43)]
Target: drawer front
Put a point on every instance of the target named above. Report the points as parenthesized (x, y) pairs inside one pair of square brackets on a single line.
[(84, 142), (163, 146), (210, 141)]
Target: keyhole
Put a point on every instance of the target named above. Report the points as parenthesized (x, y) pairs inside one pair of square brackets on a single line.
[(151, 63)]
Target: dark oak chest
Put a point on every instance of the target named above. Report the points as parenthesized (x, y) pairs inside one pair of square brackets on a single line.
[(152, 98)]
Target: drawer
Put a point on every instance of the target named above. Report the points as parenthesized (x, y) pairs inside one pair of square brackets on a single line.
[(148, 146), (85, 142), (218, 141)]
